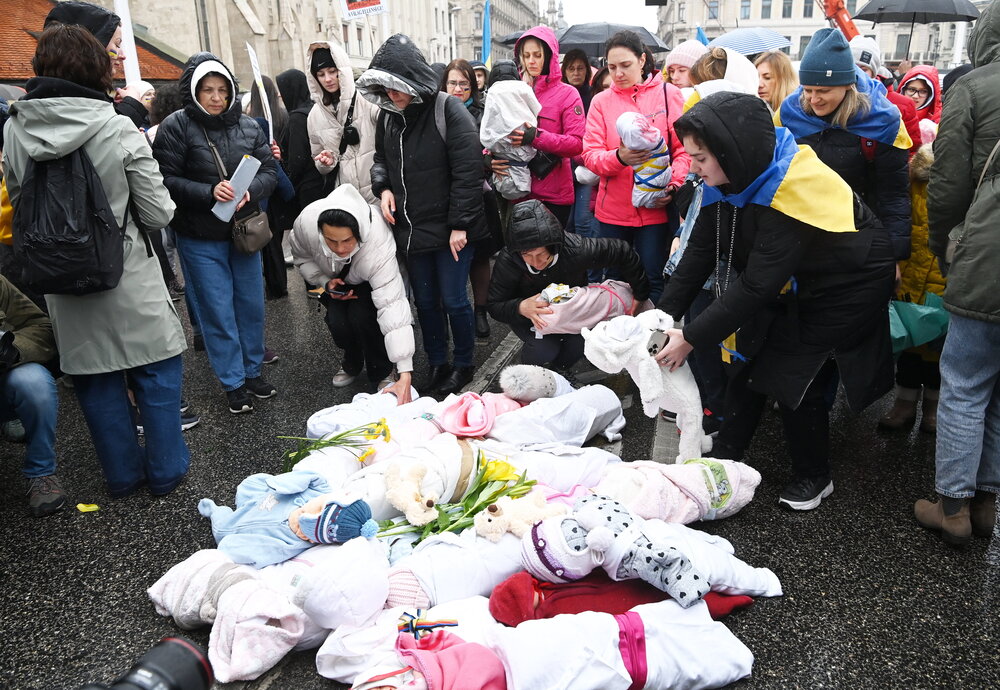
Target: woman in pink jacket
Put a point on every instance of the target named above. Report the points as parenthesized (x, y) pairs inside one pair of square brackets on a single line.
[(559, 134), (637, 86)]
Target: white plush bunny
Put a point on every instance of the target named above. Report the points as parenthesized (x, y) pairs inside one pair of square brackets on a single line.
[(621, 343)]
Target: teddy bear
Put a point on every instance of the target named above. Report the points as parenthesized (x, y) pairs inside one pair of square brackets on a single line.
[(403, 491), (515, 515), (529, 382)]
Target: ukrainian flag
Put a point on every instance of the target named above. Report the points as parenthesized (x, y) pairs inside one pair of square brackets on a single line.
[(487, 37), (881, 123), (798, 184)]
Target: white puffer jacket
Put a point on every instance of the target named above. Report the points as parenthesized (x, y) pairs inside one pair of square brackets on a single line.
[(326, 125), (374, 263)]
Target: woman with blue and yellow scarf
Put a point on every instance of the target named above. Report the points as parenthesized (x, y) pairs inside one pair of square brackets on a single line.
[(803, 273)]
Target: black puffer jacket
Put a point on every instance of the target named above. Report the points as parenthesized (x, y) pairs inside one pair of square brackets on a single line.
[(534, 226), (843, 280), (883, 183), (438, 184), (186, 161)]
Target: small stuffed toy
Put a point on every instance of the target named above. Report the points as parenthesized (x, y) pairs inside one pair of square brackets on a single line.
[(404, 493), (515, 515), (622, 343), (529, 382)]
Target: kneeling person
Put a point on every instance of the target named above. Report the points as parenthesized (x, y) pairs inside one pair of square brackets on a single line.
[(342, 243)]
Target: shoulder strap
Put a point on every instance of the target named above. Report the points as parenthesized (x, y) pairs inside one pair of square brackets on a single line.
[(219, 165), (989, 161), (666, 109), (348, 122), (439, 117)]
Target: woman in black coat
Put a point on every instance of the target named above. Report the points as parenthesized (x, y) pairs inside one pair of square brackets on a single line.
[(803, 288), (538, 253), (428, 173), (227, 285), (298, 160)]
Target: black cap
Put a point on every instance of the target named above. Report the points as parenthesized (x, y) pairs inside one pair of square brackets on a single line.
[(321, 59)]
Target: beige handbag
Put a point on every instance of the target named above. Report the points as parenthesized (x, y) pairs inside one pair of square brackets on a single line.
[(252, 232)]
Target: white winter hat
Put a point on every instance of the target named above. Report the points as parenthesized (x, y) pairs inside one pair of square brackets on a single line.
[(685, 54), (866, 53)]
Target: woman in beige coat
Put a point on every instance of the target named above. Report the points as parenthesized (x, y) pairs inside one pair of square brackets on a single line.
[(341, 123)]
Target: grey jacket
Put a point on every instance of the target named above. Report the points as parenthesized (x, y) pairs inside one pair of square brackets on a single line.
[(969, 129), (135, 323)]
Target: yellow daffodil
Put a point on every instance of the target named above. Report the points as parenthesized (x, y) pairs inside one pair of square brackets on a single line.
[(367, 454), (378, 430), (500, 471)]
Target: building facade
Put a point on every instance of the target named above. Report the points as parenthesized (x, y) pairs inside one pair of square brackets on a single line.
[(507, 16), (940, 44)]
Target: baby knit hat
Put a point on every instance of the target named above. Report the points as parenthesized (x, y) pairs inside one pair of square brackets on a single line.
[(339, 522), (828, 60), (685, 54), (866, 53), (562, 550)]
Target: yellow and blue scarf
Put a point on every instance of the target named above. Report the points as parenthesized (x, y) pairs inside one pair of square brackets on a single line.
[(882, 123), (798, 184)]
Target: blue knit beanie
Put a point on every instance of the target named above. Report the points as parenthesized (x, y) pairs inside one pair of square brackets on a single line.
[(828, 60), (339, 522)]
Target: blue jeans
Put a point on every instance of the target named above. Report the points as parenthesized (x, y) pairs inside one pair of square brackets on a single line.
[(439, 285), (127, 465), (968, 428), (29, 394), (651, 243), (228, 289)]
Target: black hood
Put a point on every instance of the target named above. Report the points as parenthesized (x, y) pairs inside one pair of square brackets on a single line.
[(294, 89), (738, 130), (93, 18), (189, 82), (399, 64), (503, 70), (532, 226), (53, 87)]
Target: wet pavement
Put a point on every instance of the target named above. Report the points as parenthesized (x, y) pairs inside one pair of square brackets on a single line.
[(871, 600)]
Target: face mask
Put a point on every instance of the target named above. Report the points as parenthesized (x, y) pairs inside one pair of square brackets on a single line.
[(345, 259)]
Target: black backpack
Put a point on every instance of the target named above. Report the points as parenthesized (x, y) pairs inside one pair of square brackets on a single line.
[(66, 237)]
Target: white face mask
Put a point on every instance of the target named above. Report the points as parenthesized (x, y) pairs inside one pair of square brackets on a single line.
[(330, 254)]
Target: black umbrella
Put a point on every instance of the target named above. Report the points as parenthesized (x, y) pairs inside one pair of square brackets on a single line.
[(511, 38), (591, 38), (917, 11)]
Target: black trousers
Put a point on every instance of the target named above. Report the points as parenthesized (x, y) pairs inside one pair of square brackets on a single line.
[(557, 350), (807, 427), (354, 326), (913, 371)]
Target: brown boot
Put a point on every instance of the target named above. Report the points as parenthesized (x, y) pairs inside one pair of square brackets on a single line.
[(955, 529), (983, 512), (928, 411), (904, 409)]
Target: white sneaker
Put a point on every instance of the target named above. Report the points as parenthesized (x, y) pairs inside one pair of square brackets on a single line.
[(342, 378)]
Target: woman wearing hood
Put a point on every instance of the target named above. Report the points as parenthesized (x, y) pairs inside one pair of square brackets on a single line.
[(227, 284), (922, 86), (561, 122), (848, 121), (802, 288), (131, 330), (299, 164), (341, 123), (343, 243), (428, 173), (637, 86)]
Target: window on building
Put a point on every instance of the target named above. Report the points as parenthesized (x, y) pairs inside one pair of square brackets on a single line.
[(744, 9), (713, 9), (765, 9), (477, 53), (901, 42), (347, 38), (786, 9), (681, 12), (807, 9), (803, 42), (361, 40), (787, 50)]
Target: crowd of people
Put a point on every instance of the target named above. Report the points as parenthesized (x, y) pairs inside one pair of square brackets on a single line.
[(776, 211)]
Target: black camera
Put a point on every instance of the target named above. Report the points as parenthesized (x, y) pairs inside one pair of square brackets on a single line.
[(352, 137), (174, 663)]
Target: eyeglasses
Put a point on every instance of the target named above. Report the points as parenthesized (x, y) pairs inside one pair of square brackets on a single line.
[(912, 91), (463, 85)]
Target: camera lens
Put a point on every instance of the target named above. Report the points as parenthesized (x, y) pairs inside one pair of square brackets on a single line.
[(173, 664)]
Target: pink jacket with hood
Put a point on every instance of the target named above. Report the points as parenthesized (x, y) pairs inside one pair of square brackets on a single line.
[(560, 123), (600, 147)]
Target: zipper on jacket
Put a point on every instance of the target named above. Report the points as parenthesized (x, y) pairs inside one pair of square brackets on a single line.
[(402, 178)]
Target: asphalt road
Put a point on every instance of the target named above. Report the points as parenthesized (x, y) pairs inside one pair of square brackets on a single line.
[(871, 600)]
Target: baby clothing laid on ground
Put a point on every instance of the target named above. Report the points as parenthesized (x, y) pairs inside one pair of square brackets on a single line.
[(601, 532), (622, 343), (573, 419), (257, 532), (700, 489), (529, 382), (189, 592), (365, 408), (585, 307), (511, 104), (651, 177)]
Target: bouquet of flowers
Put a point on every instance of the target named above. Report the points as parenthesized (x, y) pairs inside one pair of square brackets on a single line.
[(357, 438)]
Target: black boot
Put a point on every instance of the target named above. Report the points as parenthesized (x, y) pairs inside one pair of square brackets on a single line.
[(459, 378), (436, 375), (482, 323)]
